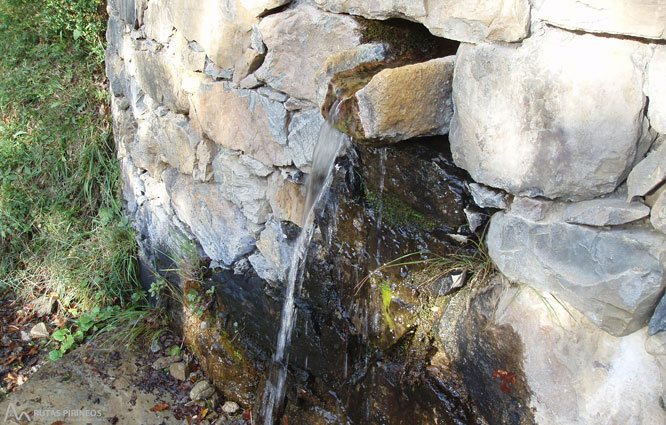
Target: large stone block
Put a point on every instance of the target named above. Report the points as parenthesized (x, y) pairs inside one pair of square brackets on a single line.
[(344, 61), (222, 28), (176, 141), (639, 18), (408, 101), (161, 78), (576, 373), (471, 21), (614, 277), (656, 87), (561, 115), (304, 130), (218, 224), (242, 120), (157, 23), (648, 173), (242, 180), (259, 7), (298, 42), (125, 10)]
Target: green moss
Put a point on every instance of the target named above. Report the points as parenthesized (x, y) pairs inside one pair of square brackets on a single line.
[(406, 40), (396, 212), (387, 296)]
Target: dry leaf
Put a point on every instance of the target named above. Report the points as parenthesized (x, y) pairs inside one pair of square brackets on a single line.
[(159, 407)]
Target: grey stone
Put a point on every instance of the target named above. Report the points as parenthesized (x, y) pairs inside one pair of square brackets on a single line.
[(242, 182), (188, 57), (242, 120), (303, 135), (526, 136), (206, 152), (531, 208), (658, 213), (262, 268), (299, 40), (488, 197), (286, 197), (202, 390), (156, 346), (272, 94), (230, 407), (627, 17), (177, 142), (179, 370), (260, 7), (613, 277), (408, 101), (345, 61), (475, 219), (275, 248), (219, 226), (158, 25), (246, 65), (293, 104), (164, 362), (250, 82), (125, 10), (39, 331), (655, 87), (223, 29), (567, 362), (161, 79), (145, 151), (658, 319), (605, 212), (216, 72), (648, 173), (115, 30), (471, 21), (257, 41)]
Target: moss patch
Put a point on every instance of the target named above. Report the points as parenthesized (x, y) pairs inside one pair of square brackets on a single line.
[(395, 212)]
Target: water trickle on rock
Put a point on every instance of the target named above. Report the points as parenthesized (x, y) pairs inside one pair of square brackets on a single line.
[(328, 147)]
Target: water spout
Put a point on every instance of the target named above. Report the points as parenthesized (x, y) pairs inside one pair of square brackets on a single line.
[(328, 147)]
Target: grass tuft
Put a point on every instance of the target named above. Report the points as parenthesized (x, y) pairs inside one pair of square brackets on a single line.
[(62, 231)]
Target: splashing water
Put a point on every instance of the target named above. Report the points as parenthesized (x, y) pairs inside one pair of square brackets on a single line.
[(380, 196), (328, 147)]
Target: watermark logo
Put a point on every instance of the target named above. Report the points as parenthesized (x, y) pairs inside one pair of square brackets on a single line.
[(23, 417), (13, 414)]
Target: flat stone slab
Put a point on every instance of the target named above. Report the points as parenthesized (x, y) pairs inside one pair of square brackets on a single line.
[(605, 212)]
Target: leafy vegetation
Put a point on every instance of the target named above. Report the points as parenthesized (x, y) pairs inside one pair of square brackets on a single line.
[(61, 227)]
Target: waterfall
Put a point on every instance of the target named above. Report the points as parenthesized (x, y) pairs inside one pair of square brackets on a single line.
[(329, 144)]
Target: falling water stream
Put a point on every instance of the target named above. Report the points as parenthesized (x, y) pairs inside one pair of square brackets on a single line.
[(328, 147)]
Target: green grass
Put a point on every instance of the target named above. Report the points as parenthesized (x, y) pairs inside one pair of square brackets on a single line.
[(61, 226)]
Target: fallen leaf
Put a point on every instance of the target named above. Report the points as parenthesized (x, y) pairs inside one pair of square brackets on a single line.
[(58, 423), (247, 415), (159, 407), (202, 414)]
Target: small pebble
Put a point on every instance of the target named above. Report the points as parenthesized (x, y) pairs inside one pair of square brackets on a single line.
[(202, 390), (39, 331), (164, 362), (203, 326), (156, 346), (179, 370), (230, 407)]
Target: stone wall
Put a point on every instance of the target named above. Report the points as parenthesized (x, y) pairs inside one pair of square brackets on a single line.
[(556, 109)]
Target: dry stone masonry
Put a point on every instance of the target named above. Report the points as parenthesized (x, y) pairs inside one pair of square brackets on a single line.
[(555, 108)]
